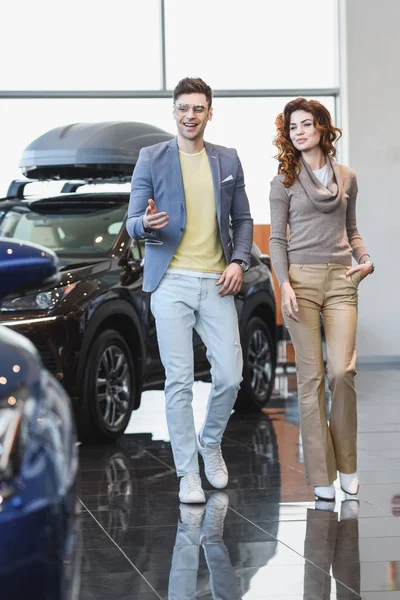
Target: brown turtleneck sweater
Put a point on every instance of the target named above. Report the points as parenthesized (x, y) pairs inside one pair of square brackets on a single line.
[(322, 220)]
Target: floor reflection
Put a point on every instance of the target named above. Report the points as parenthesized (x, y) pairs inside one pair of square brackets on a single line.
[(263, 537), (331, 543), (202, 526)]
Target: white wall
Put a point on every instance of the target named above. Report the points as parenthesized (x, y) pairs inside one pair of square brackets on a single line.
[(373, 103)]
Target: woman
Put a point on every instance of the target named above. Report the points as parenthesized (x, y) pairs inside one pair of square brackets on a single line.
[(315, 198)]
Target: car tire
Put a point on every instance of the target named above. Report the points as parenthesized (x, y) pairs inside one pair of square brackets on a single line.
[(258, 367), (108, 389)]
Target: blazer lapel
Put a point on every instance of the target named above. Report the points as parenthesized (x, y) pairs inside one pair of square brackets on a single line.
[(173, 156), (213, 158)]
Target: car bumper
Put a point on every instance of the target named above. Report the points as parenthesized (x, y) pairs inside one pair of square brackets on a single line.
[(44, 556), (57, 340)]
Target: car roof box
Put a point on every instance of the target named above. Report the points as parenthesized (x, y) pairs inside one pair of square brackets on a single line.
[(89, 151)]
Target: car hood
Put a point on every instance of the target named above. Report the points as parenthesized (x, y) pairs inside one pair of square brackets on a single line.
[(74, 269), (69, 262)]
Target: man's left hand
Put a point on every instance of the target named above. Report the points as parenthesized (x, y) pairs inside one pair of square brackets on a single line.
[(230, 280)]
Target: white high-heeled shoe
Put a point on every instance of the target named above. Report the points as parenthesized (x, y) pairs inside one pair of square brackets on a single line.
[(350, 509), (325, 492), (349, 483), (326, 505)]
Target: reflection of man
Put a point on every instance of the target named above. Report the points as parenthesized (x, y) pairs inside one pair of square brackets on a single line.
[(330, 542), (185, 195), (202, 526)]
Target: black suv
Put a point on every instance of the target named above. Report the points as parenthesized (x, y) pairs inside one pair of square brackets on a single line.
[(94, 330)]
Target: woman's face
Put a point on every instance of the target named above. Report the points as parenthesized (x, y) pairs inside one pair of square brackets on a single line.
[(303, 134)]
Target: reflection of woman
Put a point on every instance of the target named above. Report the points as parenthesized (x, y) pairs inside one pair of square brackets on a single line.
[(316, 198), (332, 544)]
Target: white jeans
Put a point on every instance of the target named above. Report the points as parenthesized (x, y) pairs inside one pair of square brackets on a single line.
[(180, 304)]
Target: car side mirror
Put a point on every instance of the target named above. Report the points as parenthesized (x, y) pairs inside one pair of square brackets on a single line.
[(24, 265), (133, 258)]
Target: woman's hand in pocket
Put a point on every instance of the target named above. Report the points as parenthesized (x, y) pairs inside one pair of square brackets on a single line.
[(363, 270), (289, 302)]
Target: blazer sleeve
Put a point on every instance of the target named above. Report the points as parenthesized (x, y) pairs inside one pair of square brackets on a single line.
[(279, 202), (241, 221), (141, 191)]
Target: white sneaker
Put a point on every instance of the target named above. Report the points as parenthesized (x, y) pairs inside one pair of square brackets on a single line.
[(325, 492), (190, 490), (191, 515), (349, 483), (216, 508), (214, 465)]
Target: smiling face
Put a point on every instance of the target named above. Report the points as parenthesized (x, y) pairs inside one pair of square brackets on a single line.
[(191, 120), (303, 132)]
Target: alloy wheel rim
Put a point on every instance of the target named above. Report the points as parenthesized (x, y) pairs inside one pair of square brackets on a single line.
[(259, 364), (115, 495), (113, 386)]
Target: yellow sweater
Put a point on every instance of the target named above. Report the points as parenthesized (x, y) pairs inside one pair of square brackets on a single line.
[(200, 248)]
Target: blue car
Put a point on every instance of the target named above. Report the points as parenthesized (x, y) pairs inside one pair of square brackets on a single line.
[(38, 452)]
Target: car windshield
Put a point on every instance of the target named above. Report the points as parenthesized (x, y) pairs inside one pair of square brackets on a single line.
[(70, 232)]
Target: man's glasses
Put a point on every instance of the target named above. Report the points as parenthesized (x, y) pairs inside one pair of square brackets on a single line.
[(183, 109)]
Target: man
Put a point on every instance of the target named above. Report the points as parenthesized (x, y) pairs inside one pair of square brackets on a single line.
[(185, 195)]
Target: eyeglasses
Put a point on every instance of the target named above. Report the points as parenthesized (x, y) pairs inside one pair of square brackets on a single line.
[(183, 109)]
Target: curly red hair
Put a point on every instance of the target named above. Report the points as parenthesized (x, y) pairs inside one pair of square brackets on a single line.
[(288, 156)]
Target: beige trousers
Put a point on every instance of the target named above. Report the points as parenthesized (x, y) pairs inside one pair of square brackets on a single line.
[(324, 289)]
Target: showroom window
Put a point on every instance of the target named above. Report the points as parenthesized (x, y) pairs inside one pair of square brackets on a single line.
[(255, 44), (81, 45), (92, 64)]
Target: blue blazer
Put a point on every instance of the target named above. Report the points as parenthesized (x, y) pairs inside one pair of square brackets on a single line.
[(158, 175)]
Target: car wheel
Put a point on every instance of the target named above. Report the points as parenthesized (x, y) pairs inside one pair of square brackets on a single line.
[(108, 389), (258, 367)]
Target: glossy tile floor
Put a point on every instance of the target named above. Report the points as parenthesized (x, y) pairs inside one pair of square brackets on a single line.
[(262, 537)]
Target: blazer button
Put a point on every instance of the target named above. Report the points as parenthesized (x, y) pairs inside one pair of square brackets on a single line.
[(182, 229)]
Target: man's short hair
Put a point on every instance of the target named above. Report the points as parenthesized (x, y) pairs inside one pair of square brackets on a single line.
[(193, 85)]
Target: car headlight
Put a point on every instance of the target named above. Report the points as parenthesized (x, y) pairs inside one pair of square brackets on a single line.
[(28, 423), (56, 430), (46, 300), (16, 417)]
